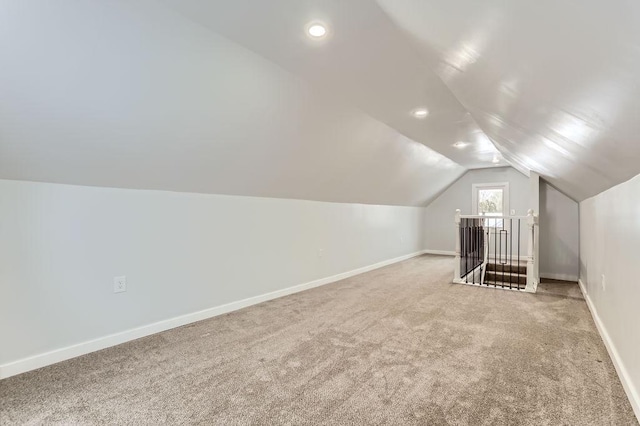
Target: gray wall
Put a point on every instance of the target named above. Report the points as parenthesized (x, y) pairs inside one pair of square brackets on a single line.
[(559, 242), (609, 241), (182, 253), (559, 235), (439, 226)]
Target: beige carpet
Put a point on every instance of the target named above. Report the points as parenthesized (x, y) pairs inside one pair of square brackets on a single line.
[(399, 345)]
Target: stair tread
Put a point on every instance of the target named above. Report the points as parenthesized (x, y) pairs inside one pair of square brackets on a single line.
[(509, 276), (507, 268), (502, 284), (513, 274)]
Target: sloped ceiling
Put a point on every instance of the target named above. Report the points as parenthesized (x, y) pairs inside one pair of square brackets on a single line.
[(232, 97), (554, 83), (366, 60), (132, 94)]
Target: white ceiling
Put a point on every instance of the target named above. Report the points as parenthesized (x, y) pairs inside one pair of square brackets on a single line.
[(232, 97), (366, 60), (554, 83), (130, 94)]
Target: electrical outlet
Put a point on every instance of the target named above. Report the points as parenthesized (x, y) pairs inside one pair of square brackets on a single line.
[(604, 283), (320, 252), (119, 284)]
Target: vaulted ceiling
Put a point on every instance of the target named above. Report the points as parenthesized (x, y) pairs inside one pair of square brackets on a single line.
[(233, 97), (555, 84)]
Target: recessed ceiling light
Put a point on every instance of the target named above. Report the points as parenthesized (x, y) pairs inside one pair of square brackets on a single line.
[(420, 113), (495, 160), (316, 30), (460, 144)]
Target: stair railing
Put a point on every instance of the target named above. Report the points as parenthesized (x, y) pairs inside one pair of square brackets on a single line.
[(495, 248), (470, 248)]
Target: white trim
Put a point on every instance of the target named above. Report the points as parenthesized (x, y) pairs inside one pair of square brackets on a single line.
[(627, 384), (495, 185), (481, 216), (440, 252), (58, 355), (560, 277)]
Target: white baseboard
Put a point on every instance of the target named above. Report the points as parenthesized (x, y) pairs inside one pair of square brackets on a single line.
[(627, 384), (58, 355), (561, 277), (440, 252)]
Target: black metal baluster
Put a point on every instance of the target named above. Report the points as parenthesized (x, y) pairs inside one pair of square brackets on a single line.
[(475, 260), (499, 237), (464, 259), (466, 237), (481, 248), (478, 262), (502, 233), (461, 247), (510, 251), (473, 275), (469, 243), (495, 252), (473, 250), (518, 253), (473, 232), (468, 250), (477, 251)]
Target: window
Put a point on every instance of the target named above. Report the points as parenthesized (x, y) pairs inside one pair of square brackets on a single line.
[(490, 202), (491, 199)]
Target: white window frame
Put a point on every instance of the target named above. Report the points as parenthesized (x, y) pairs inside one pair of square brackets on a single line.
[(476, 187)]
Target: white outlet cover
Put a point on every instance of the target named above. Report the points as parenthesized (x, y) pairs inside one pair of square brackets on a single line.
[(119, 284), (604, 282)]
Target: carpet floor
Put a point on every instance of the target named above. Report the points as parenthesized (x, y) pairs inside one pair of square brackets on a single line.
[(398, 345)]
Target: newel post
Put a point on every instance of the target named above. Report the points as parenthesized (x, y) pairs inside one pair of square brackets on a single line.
[(532, 278), (456, 267)]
